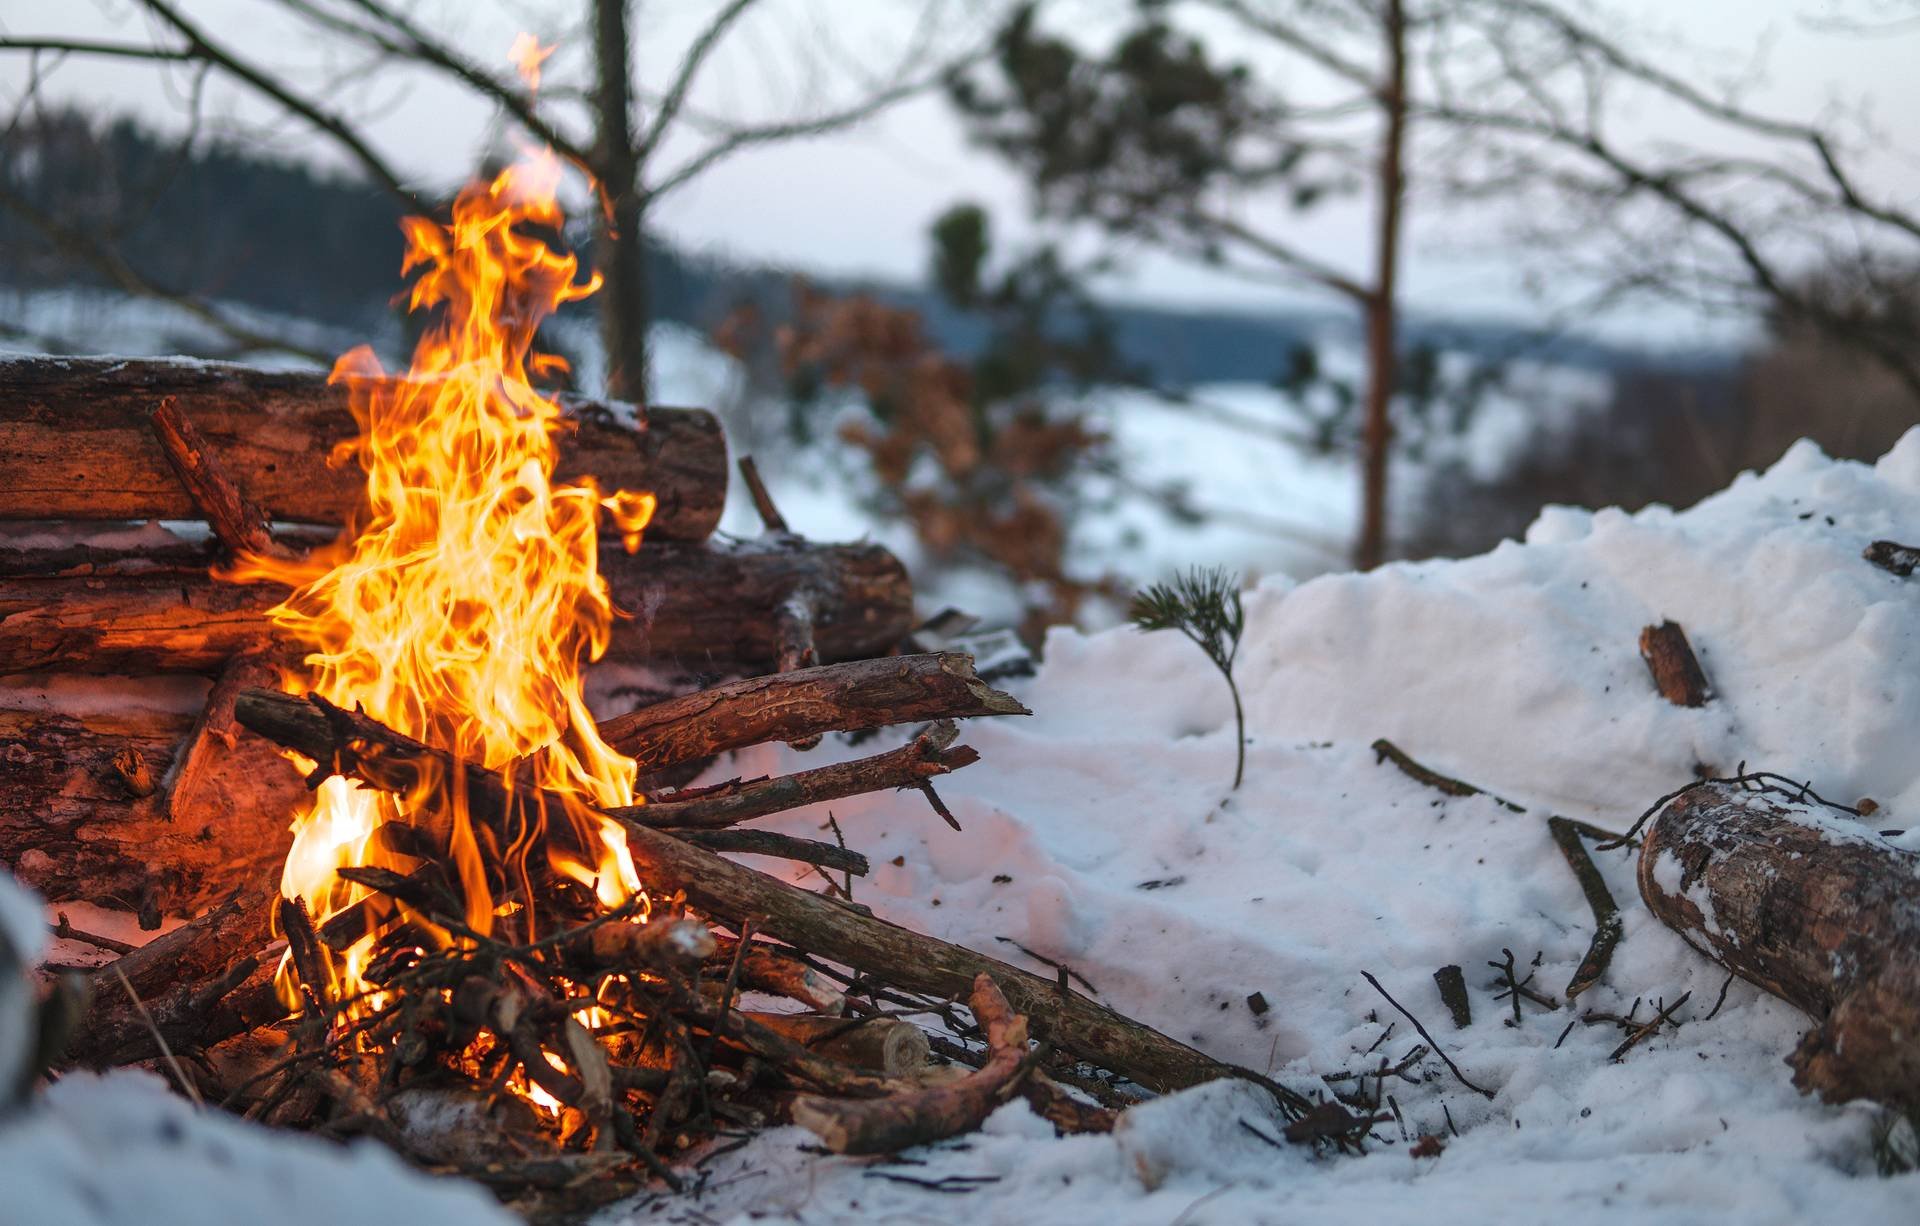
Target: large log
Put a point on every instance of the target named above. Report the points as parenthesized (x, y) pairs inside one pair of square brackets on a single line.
[(1812, 906), (710, 607), (76, 442), (73, 826)]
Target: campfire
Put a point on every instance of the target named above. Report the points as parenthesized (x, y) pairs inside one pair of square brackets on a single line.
[(499, 938)]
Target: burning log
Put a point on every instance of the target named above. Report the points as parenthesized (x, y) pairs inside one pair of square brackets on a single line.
[(111, 611), (1810, 905), (78, 433), (72, 827), (803, 703)]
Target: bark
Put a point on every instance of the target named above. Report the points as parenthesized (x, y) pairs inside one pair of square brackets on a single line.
[(792, 706), (1676, 671), (71, 827), (711, 607), (1812, 906), (79, 445), (884, 1045), (1382, 305), (236, 522)]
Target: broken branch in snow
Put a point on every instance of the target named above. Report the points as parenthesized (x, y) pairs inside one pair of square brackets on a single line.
[(1676, 671), (1607, 927), (1894, 557), (1452, 982), (1431, 1041), (1386, 751)]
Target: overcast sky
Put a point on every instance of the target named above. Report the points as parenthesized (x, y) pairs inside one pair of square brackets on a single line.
[(860, 201)]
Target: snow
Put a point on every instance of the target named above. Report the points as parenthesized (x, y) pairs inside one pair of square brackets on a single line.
[(1101, 833)]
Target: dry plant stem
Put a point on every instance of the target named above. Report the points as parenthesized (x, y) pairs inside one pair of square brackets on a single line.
[(1675, 670), (915, 1117), (1431, 1041), (80, 430), (1810, 906), (708, 606), (236, 522), (926, 756), (792, 706), (1607, 927)]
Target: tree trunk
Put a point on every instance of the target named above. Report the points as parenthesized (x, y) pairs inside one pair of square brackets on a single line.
[(78, 609), (619, 232), (1382, 306), (77, 442), (1811, 905)]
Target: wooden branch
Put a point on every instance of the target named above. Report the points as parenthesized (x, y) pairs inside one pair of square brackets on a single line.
[(707, 606), (76, 431), (916, 1117), (784, 846), (236, 522), (71, 827), (720, 888), (1607, 928), (1810, 905), (884, 1045), (803, 703), (1670, 659), (1893, 557), (926, 756)]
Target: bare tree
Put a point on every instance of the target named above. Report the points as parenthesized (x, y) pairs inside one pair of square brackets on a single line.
[(636, 147)]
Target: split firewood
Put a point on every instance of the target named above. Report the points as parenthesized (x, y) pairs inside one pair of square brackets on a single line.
[(927, 756), (1810, 905), (712, 607), (728, 891), (915, 1117), (792, 706), (78, 436), (1676, 672), (73, 827)]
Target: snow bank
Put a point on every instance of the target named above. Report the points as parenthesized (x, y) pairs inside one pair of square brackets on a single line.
[(1100, 833)]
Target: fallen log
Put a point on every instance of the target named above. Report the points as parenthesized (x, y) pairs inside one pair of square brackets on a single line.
[(718, 887), (1810, 905), (806, 702), (97, 610), (72, 827), (79, 444)]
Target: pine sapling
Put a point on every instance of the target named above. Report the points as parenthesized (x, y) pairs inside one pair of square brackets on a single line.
[(1204, 605)]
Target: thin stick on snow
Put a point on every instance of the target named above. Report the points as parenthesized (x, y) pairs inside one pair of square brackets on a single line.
[(1431, 1041), (166, 1052)]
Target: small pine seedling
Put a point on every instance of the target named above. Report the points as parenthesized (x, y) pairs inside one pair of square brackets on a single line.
[(1204, 605)]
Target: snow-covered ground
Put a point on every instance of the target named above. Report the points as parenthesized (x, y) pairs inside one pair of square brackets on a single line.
[(1100, 833)]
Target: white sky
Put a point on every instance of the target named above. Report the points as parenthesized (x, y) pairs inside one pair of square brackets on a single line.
[(860, 201)]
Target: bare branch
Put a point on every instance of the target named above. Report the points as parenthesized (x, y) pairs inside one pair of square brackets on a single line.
[(690, 64)]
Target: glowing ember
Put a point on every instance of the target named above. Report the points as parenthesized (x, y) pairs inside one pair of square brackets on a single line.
[(464, 601)]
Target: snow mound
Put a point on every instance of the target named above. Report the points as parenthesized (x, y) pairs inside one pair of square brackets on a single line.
[(1100, 833)]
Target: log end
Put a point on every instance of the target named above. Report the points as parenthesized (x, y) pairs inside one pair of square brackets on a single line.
[(959, 665)]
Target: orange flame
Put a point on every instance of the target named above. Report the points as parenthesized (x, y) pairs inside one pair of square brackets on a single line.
[(527, 55), (464, 601)]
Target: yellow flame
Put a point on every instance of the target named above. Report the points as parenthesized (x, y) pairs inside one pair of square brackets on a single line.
[(464, 600), (527, 55)]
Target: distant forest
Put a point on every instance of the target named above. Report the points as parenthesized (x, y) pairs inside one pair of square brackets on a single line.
[(218, 221)]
